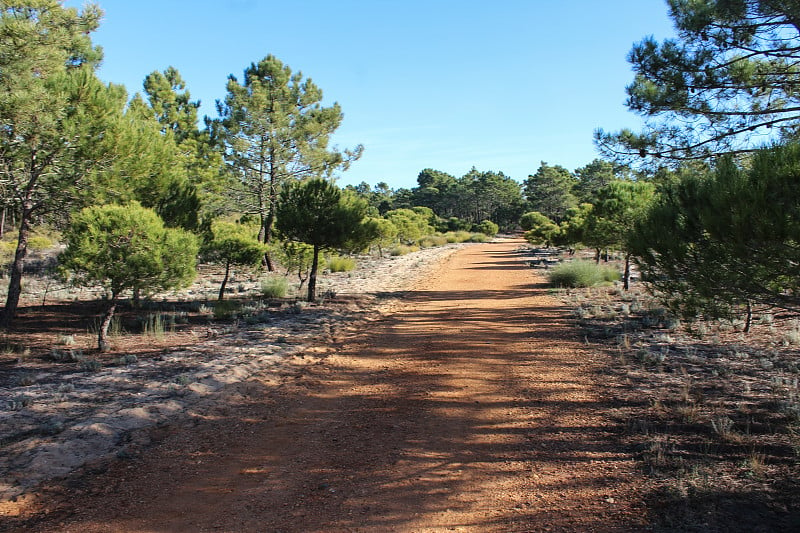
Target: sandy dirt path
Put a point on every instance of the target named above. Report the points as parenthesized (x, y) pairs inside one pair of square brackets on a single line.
[(472, 405)]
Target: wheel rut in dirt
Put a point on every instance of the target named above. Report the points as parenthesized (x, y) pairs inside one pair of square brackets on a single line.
[(472, 406)]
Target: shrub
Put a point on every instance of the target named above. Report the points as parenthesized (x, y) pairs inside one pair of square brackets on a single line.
[(455, 224), (457, 236), (154, 325), (126, 248), (487, 227), (582, 274), (7, 249), (275, 287), (610, 274), (40, 242), (431, 241), (232, 244), (226, 309), (402, 249), (338, 263), (478, 237)]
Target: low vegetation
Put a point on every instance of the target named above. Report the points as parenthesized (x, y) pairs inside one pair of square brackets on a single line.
[(275, 286), (711, 412), (582, 274), (339, 263)]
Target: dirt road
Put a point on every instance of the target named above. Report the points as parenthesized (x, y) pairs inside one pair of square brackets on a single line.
[(471, 406)]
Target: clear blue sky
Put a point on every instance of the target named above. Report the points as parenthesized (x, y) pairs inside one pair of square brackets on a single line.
[(447, 84)]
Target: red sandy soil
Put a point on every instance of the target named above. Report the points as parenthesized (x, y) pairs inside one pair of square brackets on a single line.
[(471, 405)]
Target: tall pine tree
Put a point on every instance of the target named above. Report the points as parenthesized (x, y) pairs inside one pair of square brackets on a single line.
[(275, 130), (53, 112)]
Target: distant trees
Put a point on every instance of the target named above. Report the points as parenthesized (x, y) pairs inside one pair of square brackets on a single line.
[(729, 80), (440, 191), (491, 196), (549, 191), (275, 131), (126, 247), (462, 203)]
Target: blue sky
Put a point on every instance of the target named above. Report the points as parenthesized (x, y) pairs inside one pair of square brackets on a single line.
[(500, 85)]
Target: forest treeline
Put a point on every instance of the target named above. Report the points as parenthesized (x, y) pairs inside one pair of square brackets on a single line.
[(704, 200)]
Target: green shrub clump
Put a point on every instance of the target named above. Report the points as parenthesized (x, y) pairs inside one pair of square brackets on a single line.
[(226, 309), (275, 287), (457, 236), (582, 274), (402, 249), (432, 241), (487, 227), (478, 237), (338, 263)]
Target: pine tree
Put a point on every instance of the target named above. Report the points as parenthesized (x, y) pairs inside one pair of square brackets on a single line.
[(316, 213), (275, 131), (732, 239), (126, 247), (618, 207), (53, 112), (203, 193), (549, 191), (729, 80)]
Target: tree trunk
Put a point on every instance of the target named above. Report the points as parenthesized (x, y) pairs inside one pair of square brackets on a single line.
[(312, 278), (224, 281), (3, 223), (301, 278), (272, 200), (265, 235), (597, 256), (626, 277), (17, 268), (748, 317), (102, 337)]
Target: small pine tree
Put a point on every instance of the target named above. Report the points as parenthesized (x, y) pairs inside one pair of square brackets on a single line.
[(232, 244), (316, 213), (126, 248)]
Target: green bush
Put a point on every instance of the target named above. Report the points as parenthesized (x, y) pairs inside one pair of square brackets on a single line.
[(457, 236), (582, 274), (402, 249), (275, 287), (487, 227), (7, 249), (478, 237), (455, 224), (338, 263), (431, 241), (610, 274), (40, 242), (226, 309)]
